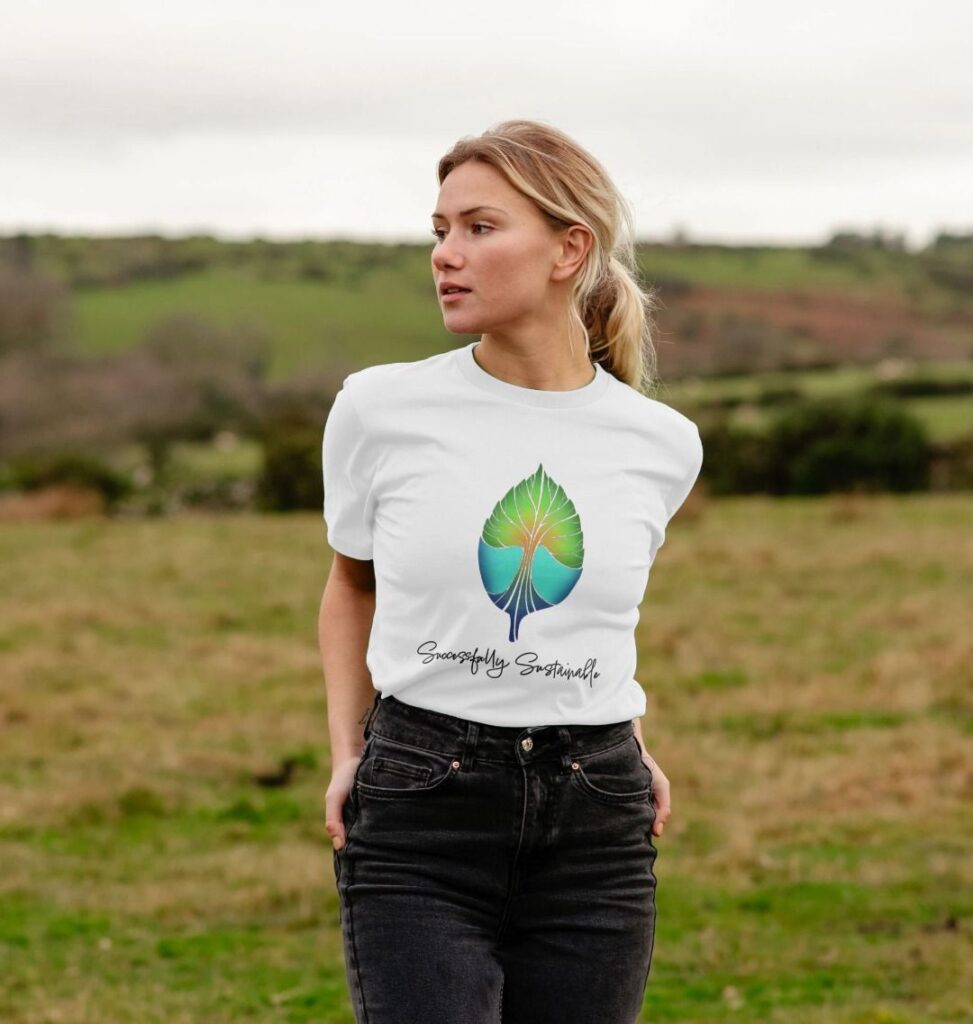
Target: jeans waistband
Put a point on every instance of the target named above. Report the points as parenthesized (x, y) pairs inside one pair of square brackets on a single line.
[(396, 720)]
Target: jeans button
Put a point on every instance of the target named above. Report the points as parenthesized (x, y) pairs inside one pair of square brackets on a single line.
[(527, 744)]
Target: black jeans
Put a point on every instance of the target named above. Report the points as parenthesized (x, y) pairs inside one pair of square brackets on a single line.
[(494, 873)]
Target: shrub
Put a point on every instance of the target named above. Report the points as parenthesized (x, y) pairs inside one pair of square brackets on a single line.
[(35, 311), (778, 396), (734, 459), (32, 472), (922, 387), (952, 464), (837, 444), (291, 475)]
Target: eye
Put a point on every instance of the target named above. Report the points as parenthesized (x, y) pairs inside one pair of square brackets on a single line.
[(437, 232)]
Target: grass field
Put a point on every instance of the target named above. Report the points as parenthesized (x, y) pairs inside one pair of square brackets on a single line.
[(809, 666), (310, 325), (388, 313)]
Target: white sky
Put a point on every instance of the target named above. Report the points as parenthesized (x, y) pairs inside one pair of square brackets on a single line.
[(753, 121)]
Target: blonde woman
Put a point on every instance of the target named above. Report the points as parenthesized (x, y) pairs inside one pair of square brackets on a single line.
[(494, 512)]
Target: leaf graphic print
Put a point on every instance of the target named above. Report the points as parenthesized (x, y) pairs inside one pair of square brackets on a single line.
[(531, 549)]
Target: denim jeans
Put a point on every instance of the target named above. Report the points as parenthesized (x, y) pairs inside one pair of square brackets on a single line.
[(496, 874)]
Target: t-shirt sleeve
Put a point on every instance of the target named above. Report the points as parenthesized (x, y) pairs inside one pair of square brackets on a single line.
[(692, 451), (347, 469)]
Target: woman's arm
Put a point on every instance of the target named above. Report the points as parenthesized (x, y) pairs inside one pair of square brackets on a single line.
[(344, 625), (660, 782), (637, 727)]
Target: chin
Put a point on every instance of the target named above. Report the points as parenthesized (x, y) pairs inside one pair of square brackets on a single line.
[(457, 325)]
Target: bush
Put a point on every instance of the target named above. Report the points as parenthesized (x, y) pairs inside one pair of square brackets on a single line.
[(291, 475), (952, 466), (32, 472), (923, 387), (950, 267), (778, 396), (35, 311), (734, 459), (837, 444)]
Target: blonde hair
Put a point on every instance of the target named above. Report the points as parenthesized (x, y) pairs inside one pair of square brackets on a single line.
[(569, 186)]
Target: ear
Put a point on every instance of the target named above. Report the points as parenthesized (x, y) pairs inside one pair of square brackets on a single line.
[(575, 243)]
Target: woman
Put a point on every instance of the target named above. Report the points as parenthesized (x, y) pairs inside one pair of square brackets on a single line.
[(494, 512)]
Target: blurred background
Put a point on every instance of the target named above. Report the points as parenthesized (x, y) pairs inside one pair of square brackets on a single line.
[(211, 213)]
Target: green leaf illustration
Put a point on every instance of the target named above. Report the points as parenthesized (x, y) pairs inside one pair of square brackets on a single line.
[(531, 550)]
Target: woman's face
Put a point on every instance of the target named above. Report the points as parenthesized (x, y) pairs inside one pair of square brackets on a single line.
[(505, 254)]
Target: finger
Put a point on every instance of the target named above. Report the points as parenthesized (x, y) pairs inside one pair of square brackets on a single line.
[(661, 816), (334, 823)]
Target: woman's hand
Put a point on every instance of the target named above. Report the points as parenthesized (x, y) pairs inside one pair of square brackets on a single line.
[(660, 791), (342, 779)]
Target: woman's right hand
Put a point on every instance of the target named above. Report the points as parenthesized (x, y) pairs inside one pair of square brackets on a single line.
[(342, 779)]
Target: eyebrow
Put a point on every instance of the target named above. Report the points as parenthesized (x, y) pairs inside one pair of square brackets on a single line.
[(472, 209)]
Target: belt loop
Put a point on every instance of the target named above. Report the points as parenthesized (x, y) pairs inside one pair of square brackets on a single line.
[(472, 733), (371, 714), (565, 736)]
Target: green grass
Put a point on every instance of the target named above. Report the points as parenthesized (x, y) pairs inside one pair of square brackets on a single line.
[(944, 417), (311, 325), (379, 306), (777, 268), (845, 380), (809, 678), (208, 462)]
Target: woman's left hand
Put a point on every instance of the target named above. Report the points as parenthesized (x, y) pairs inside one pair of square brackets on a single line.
[(660, 793)]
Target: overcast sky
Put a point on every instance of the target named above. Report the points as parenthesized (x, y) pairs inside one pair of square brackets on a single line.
[(753, 121)]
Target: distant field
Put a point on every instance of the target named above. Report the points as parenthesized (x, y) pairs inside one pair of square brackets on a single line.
[(390, 318), (327, 303), (310, 324), (778, 268), (809, 667), (945, 417)]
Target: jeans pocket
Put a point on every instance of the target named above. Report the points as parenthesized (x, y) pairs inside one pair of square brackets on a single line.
[(393, 770), (616, 775)]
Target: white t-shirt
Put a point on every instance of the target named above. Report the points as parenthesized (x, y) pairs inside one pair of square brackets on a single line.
[(512, 531)]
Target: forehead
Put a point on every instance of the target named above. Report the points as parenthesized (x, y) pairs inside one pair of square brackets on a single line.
[(475, 184)]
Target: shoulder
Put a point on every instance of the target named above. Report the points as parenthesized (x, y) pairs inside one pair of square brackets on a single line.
[(683, 431), (376, 387), (671, 443), (675, 421), (662, 422)]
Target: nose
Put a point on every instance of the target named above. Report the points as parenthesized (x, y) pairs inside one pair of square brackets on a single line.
[(446, 255)]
